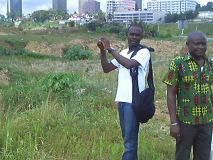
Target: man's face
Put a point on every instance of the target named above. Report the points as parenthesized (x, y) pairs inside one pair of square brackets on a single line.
[(134, 36), (197, 46)]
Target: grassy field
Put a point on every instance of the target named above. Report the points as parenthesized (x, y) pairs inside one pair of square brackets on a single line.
[(82, 125), (204, 27)]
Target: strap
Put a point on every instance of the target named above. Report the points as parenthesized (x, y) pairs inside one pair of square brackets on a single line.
[(134, 74)]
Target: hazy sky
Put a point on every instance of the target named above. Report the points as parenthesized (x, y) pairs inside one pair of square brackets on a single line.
[(30, 6)]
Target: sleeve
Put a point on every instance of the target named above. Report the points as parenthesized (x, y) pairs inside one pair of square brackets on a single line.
[(172, 77), (142, 57), (115, 63)]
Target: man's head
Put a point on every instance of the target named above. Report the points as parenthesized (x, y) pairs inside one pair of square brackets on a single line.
[(197, 44), (134, 35)]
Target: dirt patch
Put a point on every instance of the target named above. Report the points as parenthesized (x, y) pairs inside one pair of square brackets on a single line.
[(7, 45), (56, 49), (60, 49), (4, 77)]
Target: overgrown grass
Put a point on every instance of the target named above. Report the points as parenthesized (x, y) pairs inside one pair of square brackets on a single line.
[(38, 125)]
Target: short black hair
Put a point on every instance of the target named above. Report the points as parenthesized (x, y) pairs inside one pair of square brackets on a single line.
[(136, 25)]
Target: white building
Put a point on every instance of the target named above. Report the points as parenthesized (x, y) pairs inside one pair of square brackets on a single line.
[(120, 6), (172, 6), (205, 14), (146, 16)]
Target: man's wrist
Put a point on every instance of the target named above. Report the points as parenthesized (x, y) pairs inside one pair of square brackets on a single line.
[(173, 124), (110, 50)]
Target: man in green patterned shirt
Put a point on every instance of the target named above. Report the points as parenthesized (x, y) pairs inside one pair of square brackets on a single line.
[(189, 81)]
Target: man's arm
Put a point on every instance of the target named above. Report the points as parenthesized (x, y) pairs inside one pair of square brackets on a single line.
[(106, 65), (127, 63), (171, 102)]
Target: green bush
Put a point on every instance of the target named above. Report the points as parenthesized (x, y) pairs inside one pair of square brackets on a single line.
[(71, 24), (115, 29), (92, 26), (8, 52), (17, 45), (122, 36), (61, 83), (7, 24), (78, 53)]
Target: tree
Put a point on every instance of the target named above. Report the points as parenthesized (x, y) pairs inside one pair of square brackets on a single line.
[(2, 19), (110, 17), (198, 7), (101, 16), (11, 16), (41, 16), (173, 18), (208, 7)]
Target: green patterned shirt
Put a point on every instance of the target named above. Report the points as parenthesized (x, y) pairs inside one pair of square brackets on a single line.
[(194, 104)]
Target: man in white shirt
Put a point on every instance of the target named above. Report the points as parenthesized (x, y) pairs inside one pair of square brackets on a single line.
[(129, 123)]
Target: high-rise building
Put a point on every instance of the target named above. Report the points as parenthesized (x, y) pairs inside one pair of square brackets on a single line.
[(92, 6), (120, 6), (81, 6), (15, 6), (172, 6), (59, 4), (138, 5)]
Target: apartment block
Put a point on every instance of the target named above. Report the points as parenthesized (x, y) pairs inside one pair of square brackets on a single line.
[(120, 6), (15, 6), (171, 6), (92, 6), (146, 16), (81, 6)]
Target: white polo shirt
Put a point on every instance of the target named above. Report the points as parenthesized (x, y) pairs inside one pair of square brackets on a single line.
[(124, 89)]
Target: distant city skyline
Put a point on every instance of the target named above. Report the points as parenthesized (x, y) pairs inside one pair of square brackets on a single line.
[(29, 6)]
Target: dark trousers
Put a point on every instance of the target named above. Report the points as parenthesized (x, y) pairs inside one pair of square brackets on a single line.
[(198, 136)]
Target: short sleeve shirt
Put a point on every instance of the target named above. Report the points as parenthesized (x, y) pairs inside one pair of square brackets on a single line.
[(194, 104), (124, 89)]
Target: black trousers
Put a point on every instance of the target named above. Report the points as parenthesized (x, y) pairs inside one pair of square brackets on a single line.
[(198, 136)]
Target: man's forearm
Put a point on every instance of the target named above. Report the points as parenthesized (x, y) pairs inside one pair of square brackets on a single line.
[(171, 102), (127, 63), (104, 62)]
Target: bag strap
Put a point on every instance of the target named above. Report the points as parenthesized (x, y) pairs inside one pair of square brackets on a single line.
[(134, 73)]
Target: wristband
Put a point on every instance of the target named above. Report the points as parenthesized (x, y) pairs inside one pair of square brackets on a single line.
[(174, 124), (111, 49)]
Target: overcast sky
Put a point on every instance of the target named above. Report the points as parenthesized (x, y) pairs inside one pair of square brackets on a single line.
[(30, 6)]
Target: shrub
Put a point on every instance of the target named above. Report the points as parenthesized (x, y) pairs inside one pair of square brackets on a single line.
[(92, 26), (16, 44), (122, 36), (71, 24), (115, 29), (8, 52), (168, 33), (61, 82), (78, 53)]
